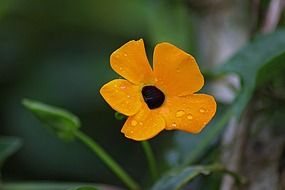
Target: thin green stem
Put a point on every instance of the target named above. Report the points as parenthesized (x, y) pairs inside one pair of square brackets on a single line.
[(106, 158), (150, 159)]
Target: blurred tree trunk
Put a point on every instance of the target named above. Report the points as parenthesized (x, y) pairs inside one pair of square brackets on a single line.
[(222, 27)]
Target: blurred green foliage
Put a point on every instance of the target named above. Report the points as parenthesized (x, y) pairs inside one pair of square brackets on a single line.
[(58, 52), (51, 186), (8, 146)]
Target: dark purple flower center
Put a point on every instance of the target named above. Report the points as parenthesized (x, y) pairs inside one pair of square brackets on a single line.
[(152, 96)]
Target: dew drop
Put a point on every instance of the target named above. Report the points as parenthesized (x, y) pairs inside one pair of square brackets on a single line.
[(141, 123), (128, 96), (180, 113), (173, 125), (125, 54), (132, 131), (121, 68), (178, 70), (134, 123), (123, 87), (202, 110), (189, 116)]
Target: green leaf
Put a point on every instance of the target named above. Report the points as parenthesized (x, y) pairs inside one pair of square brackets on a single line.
[(60, 121), (248, 62), (273, 70), (8, 146), (84, 188), (54, 186), (177, 179)]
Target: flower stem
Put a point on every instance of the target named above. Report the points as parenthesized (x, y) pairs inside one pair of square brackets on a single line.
[(106, 158), (150, 159)]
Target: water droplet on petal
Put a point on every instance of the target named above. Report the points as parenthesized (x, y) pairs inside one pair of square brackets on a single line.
[(128, 96), (180, 113), (173, 125), (134, 123), (132, 131), (189, 116), (141, 123), (178, 70), (202, 110), (125, 54), (121, 68), (123, 87)]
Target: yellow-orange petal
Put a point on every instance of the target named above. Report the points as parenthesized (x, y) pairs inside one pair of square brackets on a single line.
[(189, 113), (143, 125), (130, 61), (177, 72), (122, 96)]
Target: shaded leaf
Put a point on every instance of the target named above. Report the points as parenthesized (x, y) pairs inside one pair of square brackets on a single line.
[(177, 179), (248, 62), (273, 70), (8, 146), (84, 188), (60, 121), (55, 186)]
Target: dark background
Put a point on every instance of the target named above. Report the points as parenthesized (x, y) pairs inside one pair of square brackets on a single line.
[(58, 52)]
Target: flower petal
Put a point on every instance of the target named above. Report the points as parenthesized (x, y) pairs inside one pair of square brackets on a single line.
[(130, 62), (143, 125), (189, 113), (177, 72), (122, 96)]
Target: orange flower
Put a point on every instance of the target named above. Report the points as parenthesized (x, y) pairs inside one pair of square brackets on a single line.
[(158, 98)]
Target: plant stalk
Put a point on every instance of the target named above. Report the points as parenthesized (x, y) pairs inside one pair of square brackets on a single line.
[(107, 159), (150, 159)]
